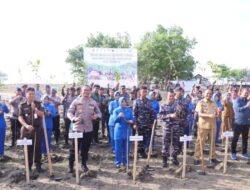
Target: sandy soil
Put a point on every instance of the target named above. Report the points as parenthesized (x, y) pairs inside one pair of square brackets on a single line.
[(104, 175)]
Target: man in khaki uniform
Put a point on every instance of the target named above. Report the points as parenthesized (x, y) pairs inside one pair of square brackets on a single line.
[(207, 111)]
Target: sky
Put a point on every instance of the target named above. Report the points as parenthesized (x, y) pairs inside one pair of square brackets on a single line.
[(46, 29)]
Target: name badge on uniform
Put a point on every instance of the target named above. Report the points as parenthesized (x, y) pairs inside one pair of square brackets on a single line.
[(35, 116)]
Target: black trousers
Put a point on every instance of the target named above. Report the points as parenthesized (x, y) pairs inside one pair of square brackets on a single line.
[(240, 130), (56, 127), (15, 126), (144, 131), (67, 123), (34, 150), (96, 129), (83, 145)]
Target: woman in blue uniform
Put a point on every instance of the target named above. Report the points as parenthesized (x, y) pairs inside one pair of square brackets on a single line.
[(112, 106), (3, 109), (123, 119), (50, 112)]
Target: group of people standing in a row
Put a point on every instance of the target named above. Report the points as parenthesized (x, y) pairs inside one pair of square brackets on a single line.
[(205, 113)]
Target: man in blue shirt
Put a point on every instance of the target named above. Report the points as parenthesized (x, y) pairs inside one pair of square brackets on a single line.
[(241, 124)]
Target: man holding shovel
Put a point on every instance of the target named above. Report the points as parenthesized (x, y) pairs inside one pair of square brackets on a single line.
[(82, 112), (144, 119), (30, 116), (207, 111)]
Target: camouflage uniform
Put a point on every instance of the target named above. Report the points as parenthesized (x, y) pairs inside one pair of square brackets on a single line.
[(173, 125), (144, 119), (183, 116)]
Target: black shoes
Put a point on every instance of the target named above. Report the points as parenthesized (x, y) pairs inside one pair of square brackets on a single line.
[(70, 169), (196, 162), (165, 162), (215, 161), (39, 169), (84, 168), (175, 161), (143, 155)]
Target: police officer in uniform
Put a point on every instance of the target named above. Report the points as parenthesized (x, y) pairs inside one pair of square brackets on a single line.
[(82, 112), (30, 116)]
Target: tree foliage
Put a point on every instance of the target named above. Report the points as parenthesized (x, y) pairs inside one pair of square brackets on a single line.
[(105, 41), (165, 54), (78, 67), (221, 71), (3, 77), (76, 55)]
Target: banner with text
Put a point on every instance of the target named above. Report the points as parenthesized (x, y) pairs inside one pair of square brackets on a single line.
[(109, 65)]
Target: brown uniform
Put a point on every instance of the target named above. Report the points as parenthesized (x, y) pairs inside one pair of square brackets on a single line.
[(206, 126), (227, 116), (25, 111)]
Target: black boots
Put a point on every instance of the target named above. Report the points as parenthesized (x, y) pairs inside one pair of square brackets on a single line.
[(84, 168), (165, 162), (39, 169), (175, 161), (70, 168)]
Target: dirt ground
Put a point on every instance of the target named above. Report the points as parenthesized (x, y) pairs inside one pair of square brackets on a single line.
[(104, 175)]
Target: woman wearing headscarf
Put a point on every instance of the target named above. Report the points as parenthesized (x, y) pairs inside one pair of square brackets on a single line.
[(227, 115), (123, 118), (112, 106), (3, 109), (188, 101), (217, 100)]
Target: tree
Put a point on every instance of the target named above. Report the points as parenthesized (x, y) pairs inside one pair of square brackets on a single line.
[(78, 67), (221, 71), (105, 41), (75, 55), (3, 77), (165, 54), (35, 66)]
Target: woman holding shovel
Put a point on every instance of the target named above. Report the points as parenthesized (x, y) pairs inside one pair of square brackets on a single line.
[(123, 118), (50, 112)]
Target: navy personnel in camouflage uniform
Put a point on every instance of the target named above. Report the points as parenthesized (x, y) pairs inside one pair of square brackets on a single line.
[(170, 115), (144, 119), (183, 114)]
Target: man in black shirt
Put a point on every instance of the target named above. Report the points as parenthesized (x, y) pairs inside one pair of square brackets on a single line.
[(30, 116)]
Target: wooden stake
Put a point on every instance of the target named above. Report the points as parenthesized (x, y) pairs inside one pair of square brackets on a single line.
[(184, 160), (135, 156), (135, 159), (225, 156), (76, 161), (151, 142), (47, 147), (26, 163)]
